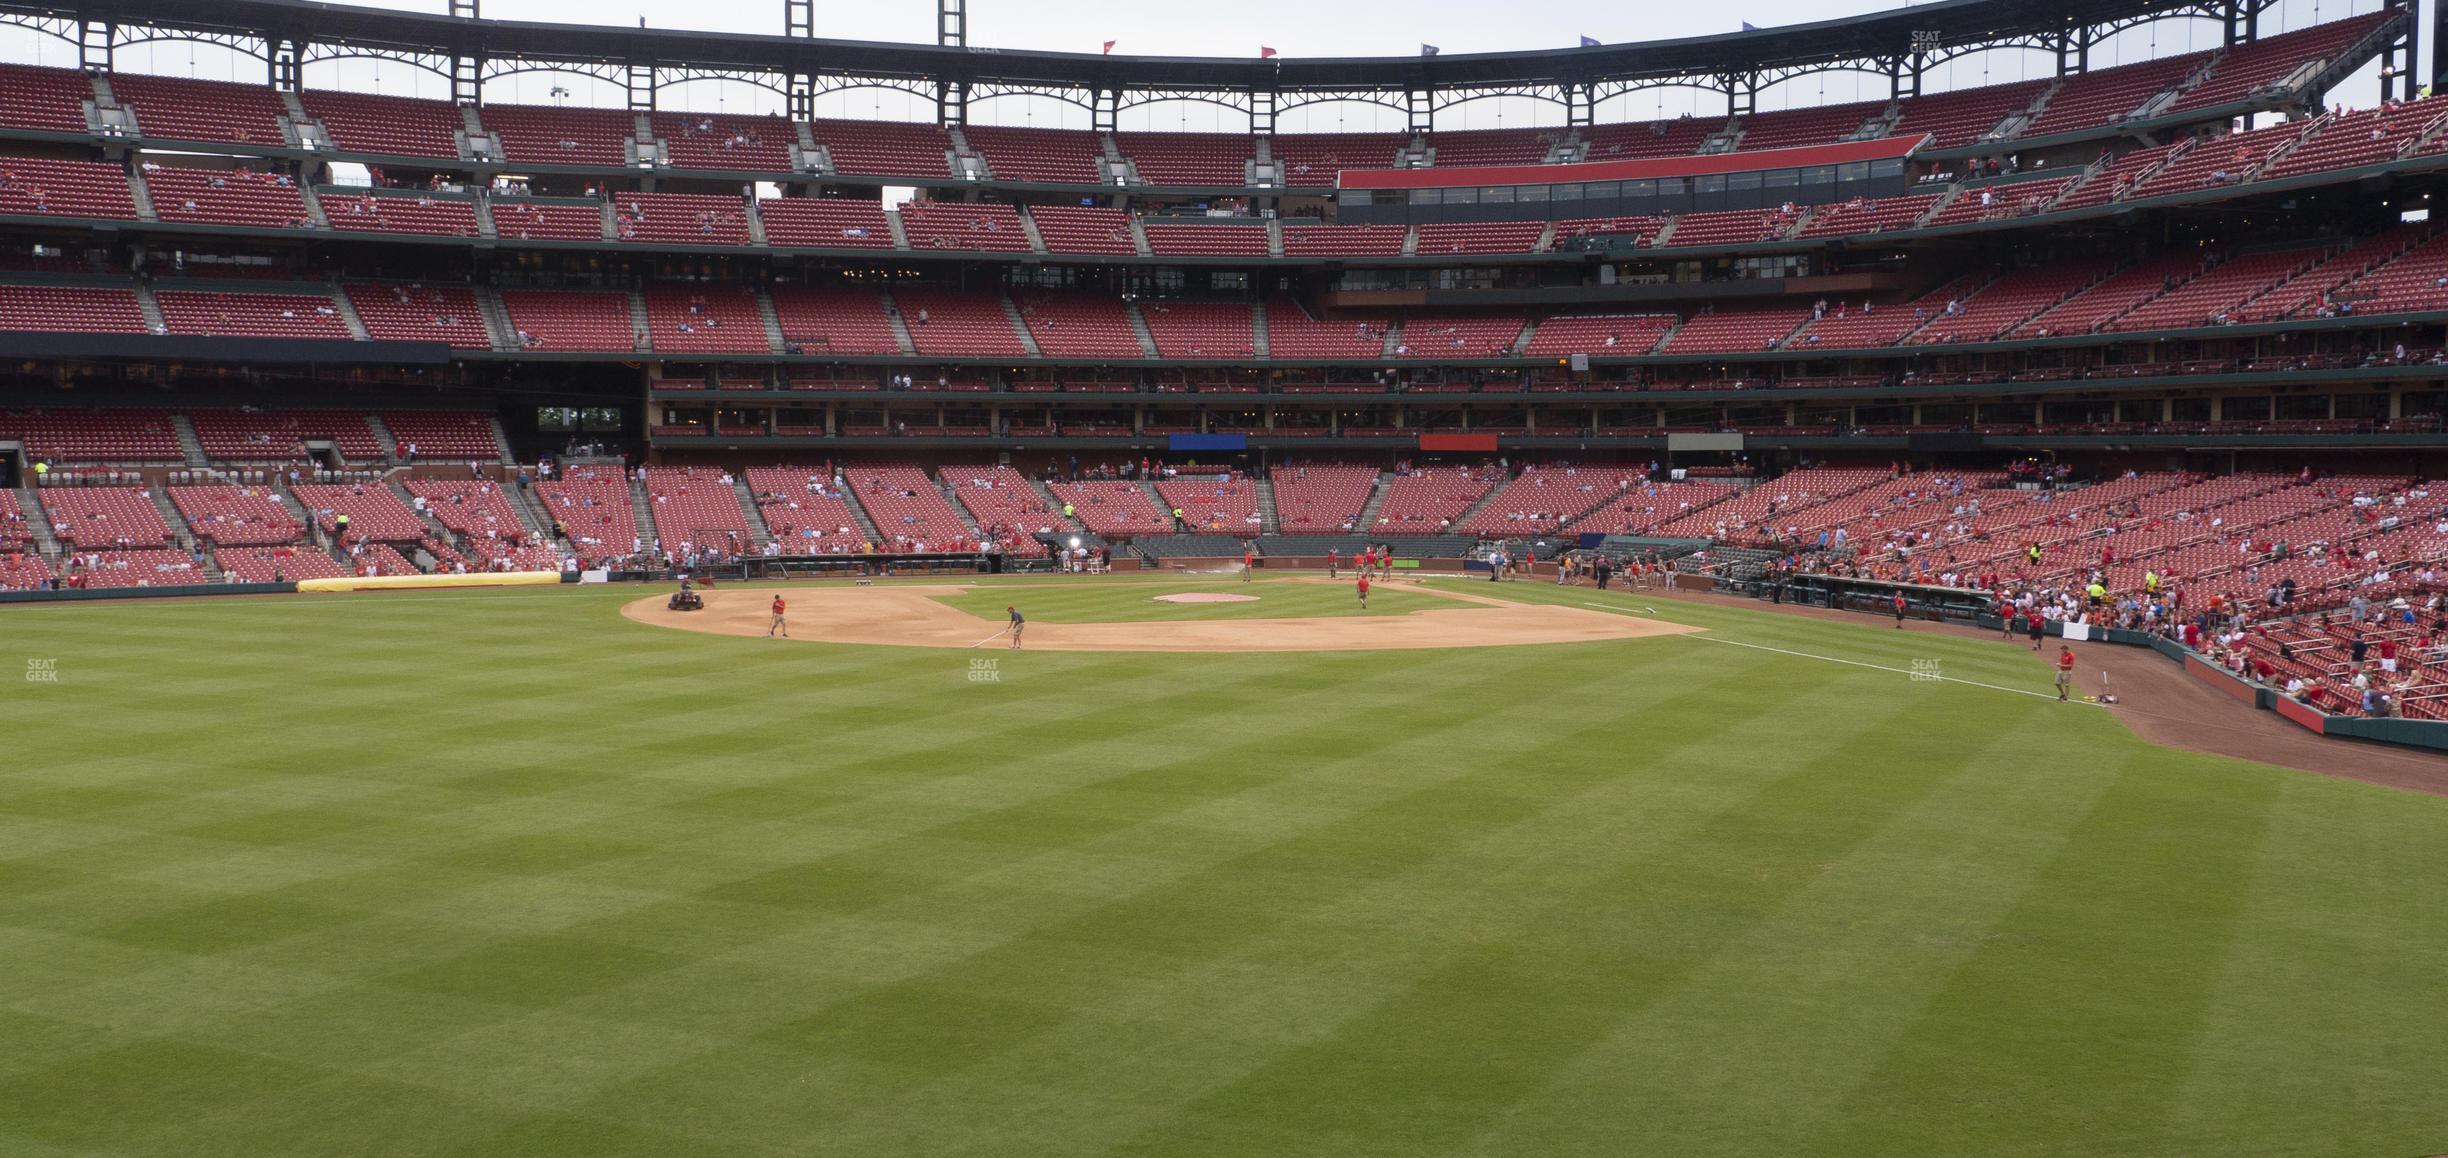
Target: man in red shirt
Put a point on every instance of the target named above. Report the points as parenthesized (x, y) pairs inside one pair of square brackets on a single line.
[(2065, 671), (1249, 563), (1363, 588), (779, 624), (1331, 572)]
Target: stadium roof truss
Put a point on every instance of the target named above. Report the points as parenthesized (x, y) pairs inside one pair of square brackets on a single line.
[(1902, 44)]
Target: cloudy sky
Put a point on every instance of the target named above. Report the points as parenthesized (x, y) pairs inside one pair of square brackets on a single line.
[(1293, 27)]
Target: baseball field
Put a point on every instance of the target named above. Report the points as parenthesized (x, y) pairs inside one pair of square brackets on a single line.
[(522, 872)]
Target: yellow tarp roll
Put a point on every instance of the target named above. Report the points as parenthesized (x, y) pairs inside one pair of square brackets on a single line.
[(422, 582)]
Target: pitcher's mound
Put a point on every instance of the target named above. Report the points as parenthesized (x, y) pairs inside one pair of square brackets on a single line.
[(1205, 597)]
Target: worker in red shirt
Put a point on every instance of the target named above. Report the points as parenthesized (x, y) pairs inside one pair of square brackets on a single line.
[(1363, 587), (1249, 563), (2065, 671), (779, 624), (1331, 572)]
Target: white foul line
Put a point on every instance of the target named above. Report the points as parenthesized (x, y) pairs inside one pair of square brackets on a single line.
[(1880, 667)]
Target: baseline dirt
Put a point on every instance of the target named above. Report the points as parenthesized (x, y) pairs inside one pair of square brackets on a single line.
[(911, 616), (2163, 705)]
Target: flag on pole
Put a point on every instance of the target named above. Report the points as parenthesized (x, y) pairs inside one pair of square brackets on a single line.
[(1109, 46), (1589, 42), (1428, 50), (1264, 52)]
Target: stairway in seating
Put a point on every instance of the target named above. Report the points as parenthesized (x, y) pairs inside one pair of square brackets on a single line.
[(952, 498), (1019, 325), (1472, 511), (1258, 329), (774, 339), (180, 532), (38, 522), (642, 511), (640, 322), (189, 445), (900, 325), (758, 532), (1268, 522), (858, 510), (1368, 510), (503, 335), (382, 436), (1138, 323), (348, 315)]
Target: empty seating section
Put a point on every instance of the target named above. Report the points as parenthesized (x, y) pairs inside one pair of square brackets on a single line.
[(533, 219), (1735, 331), (717, 141), (1206, 240), (15, 535), (1054, 156), (590, 507), (1641, 229), (375, 512), (1212, 503), (1077, 325), (696, 505), (228, 315), (2411, 281), (1493, 146), (281, 435), (963, 225), (448, 435), (97, 436), (1343, 240), (1006, 506), (225, 197), (2122, 291), (70, 309), (2090, 99), (1188, 158), (553, 320), (420, 313), (1321, 499), (1114, 509), (1540, 500), (1997, 202), (1857, 326), (542, 135), (827, 321), (885, 148), (1292, 333), (908, 510), (2215, 296), (1459, 337), (394, 126), (1199, 329), (2116, 178), (40, 186), (2247, 69), (92, 518), (1959, 118), (1636, 140), (286, 563), (1730, 227), (1480, 237), (1606, 335), (2311, 287), (1428, 501), (236, 516), (2011, 300), (680, 218), (951, 322), (1816, 125), (709, 320), (377, 213), (2362, 137), (825, 222), (1762, 504), (1645, 506), (1868, 215), (2217, 161), (1312, 159), (804, 511), (177, 109), (1080, 229), (51, 100)]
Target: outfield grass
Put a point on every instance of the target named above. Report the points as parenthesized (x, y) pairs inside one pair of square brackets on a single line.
[(503, 873), (1059, 600)]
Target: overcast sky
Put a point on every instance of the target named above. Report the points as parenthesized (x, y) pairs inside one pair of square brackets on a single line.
[(1293, 27)]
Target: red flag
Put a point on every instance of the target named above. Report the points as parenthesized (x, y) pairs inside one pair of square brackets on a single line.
[(1265, 52), (1109, 46)]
